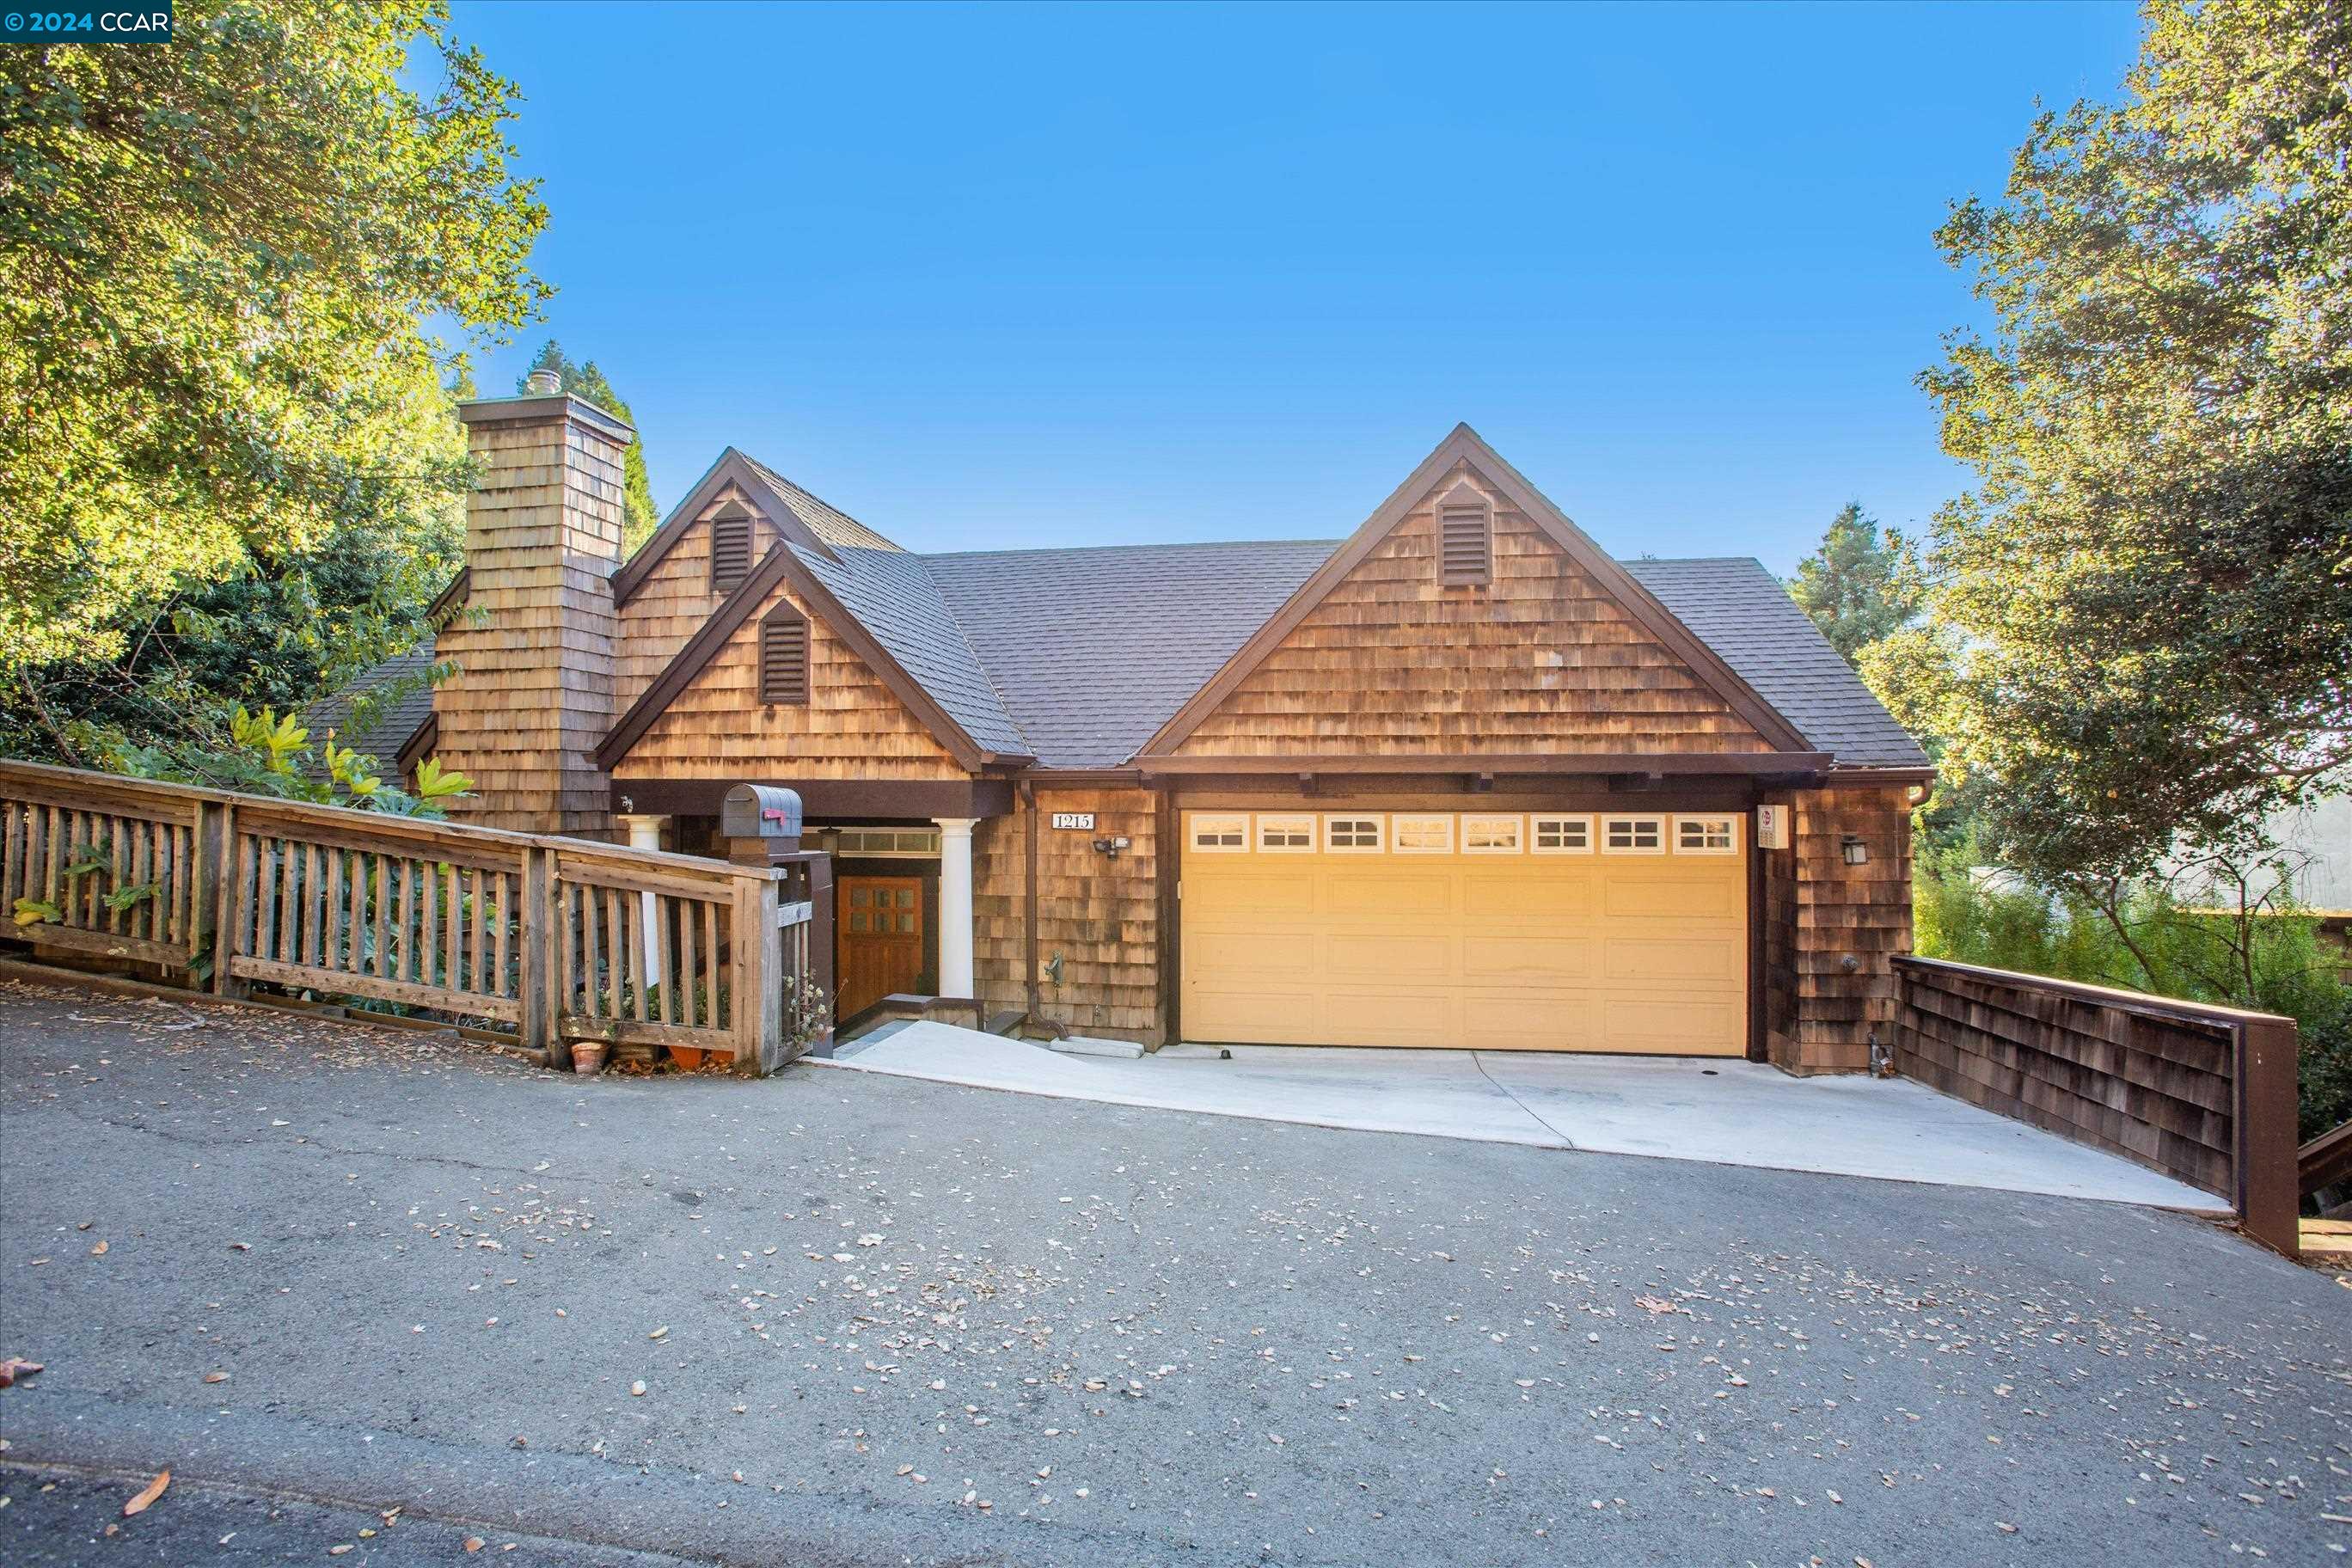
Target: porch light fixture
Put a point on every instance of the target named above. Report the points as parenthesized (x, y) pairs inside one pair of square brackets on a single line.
[(1856, 852), (1110, 847)]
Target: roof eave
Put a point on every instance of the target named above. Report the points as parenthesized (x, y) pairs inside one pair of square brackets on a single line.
[(1736, 765)]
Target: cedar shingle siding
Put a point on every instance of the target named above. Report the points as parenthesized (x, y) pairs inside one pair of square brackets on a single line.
[(1393, 663)]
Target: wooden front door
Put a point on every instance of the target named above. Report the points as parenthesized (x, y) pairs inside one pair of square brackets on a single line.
[(881, 938)]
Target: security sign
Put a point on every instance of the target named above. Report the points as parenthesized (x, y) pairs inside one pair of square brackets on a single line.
[(1772, 827)]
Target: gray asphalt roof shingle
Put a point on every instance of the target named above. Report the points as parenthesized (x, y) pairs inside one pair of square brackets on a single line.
[(393, 723), (1742, 612), (1093, 648), (827, 521), (894, 595)]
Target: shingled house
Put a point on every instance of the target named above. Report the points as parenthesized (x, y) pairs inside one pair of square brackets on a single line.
[(1458, 779)]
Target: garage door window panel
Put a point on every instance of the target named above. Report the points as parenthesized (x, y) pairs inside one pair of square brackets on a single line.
[(1430, 833), (1286, 833), (1355, 835), (1706, 834), (1221, 835), (1563, 835), (1632, 834), (1486, 834)]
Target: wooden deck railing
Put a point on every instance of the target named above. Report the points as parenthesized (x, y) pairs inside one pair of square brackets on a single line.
[(563, 939), (2204, 1094)]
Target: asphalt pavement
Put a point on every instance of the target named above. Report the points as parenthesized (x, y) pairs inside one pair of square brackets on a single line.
[(338, 1280)]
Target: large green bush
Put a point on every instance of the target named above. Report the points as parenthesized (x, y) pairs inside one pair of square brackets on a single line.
[(2275, 962)]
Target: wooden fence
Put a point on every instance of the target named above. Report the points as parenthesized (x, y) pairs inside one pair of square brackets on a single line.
[(562, 939), (2204, 1094)]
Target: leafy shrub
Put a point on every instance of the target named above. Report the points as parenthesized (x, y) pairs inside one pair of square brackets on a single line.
[(2275, 962), (265, 754)]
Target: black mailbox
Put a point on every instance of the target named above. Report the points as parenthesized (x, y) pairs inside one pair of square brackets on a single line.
[(761, 811)]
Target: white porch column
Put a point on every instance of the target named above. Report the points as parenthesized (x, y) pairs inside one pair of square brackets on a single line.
[(955, 905), (644, 833)]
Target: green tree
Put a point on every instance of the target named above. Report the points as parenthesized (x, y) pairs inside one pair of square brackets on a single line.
[(215, 259), (1854, 586), (2143, 608), (588, 381), (278, 629)]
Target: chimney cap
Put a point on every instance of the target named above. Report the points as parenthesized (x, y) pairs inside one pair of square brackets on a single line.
[(546, 383)]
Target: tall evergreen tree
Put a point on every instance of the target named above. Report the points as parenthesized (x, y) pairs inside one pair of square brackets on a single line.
[(1853, 586), (588, 381)]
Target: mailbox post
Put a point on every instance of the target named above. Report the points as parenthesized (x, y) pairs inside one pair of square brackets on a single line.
[(763, 827)]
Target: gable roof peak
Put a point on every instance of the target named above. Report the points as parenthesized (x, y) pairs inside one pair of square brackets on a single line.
[(1646, 608)]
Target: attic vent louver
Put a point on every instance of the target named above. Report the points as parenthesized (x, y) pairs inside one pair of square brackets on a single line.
[(731, 547), (1465, 539), (784, 657)]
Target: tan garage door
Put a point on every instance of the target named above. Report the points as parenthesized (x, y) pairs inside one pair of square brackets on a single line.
[(1600, 931)]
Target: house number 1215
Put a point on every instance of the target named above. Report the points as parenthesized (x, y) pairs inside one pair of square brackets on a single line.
[(1084, 821)]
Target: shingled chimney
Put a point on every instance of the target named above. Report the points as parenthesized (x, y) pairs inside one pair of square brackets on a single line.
[(533, 642)]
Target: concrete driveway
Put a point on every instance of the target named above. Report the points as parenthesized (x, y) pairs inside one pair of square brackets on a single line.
[(1682, 1108)]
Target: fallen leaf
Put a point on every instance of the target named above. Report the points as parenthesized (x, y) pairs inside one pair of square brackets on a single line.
[(215, 1377), (154, 1490), (99, 1250), (658, 1333), (1655, 1304), (15, 1367), (475, 1543), (637, 1389)]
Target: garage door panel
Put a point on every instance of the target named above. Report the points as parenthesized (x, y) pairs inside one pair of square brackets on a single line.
[(1252, 894), (1253, 1015), (1634, 954), (1388, 1017), (1370, 956), (1379, 899), (1702, 961), (1530, 1022), (1538, 888), (1269, 955), (1529, 960), (1633, 896), (1672, 1025)]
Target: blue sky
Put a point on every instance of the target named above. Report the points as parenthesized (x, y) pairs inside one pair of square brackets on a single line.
[(991, 278)]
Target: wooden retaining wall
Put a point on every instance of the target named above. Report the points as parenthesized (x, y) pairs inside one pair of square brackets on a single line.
[(2204, 1094)]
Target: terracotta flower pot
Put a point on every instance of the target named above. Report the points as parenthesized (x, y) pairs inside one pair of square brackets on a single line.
[(688, 1057), (587, 1055)]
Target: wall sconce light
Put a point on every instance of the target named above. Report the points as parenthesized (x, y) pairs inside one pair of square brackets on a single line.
[(1110, 847), (1856, 852)]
